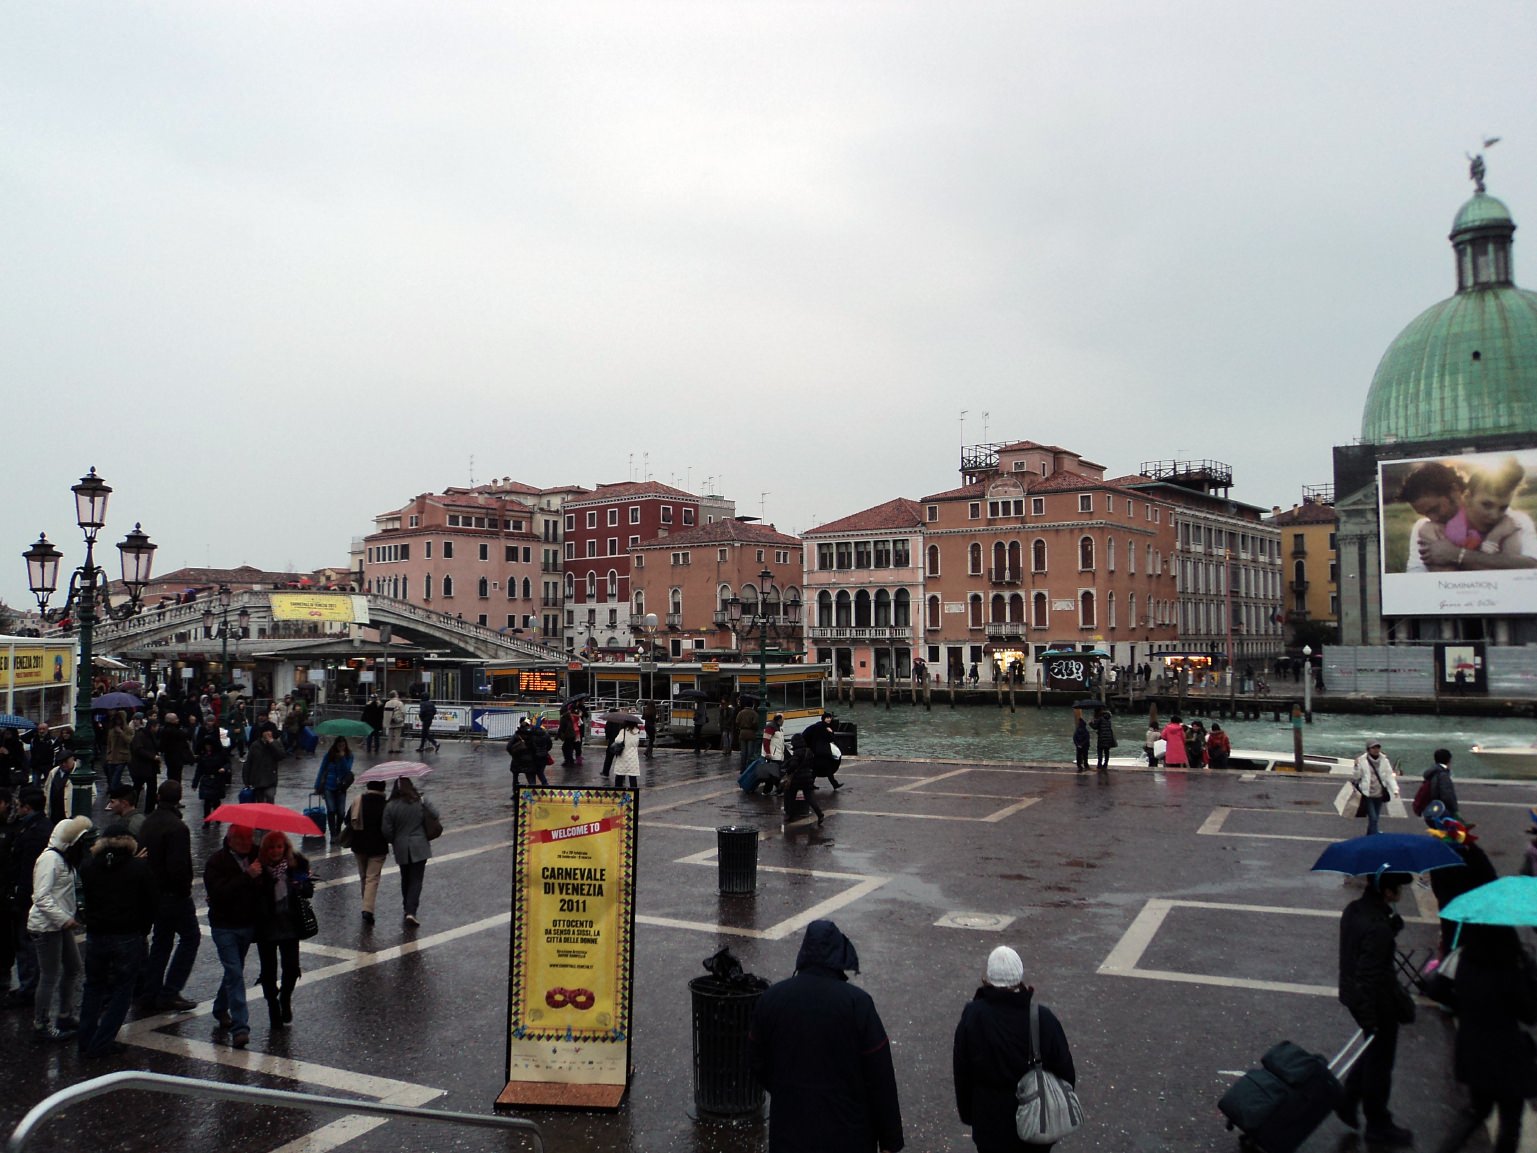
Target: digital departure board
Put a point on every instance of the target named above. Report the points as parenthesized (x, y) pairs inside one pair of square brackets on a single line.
[(538, 682)]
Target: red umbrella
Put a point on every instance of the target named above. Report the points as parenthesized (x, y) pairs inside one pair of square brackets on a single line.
[(260, 816)]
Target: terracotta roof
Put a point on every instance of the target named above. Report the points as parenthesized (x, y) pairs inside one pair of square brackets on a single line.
[(626, 490), (1310, 512), (724, 532), (900, 513), (977, 489)]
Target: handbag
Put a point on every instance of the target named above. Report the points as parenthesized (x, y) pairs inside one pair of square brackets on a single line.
[(304, 916), (431, 825), (247, 795), (1048, 1107)]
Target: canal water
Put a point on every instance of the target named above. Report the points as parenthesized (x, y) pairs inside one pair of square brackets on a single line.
[(988, 733)]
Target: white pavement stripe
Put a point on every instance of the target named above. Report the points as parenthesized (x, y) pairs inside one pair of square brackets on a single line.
[(991, 818), (1213, 823), (921, 781)]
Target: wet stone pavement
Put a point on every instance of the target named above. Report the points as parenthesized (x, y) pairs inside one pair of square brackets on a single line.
[(1169, 919)]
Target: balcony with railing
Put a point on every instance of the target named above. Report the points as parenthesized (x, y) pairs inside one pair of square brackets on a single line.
[(1005, 630), (860, 632), (674, 620), (1008, 574)]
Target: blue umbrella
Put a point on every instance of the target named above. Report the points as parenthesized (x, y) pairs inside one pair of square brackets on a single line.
[(118, 700), (11, 721), (1387, 852), (1506, 901)]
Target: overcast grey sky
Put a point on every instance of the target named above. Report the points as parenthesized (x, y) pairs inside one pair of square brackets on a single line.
[(274, 268)]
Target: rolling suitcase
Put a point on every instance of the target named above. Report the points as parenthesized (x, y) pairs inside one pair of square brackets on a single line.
[(1277, 1106), (316, 811)]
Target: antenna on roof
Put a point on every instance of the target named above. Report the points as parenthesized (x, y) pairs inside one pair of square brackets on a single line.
[(472, 470), (762, 499), (645, 466), (963, 428), (632, 466), (984, 428)]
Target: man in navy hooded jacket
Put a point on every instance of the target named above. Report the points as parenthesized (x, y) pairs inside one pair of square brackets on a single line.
[(819, 1048)]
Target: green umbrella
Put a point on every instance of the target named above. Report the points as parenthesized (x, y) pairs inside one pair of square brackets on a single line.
[(343, 727)]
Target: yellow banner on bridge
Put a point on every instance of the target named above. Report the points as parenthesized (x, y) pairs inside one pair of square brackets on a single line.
[(319, 607)]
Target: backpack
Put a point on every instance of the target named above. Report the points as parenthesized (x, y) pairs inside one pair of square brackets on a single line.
[(1423, 796)]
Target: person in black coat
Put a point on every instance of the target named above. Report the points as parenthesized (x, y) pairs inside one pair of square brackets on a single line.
[(373, 717), (1369, 989), (992, 1052), (144, 764), (1494, 994), (118, 898), (819, 739), (1449, 884), (1442, 787), (41, 756), (817, 1045), (175, 751)]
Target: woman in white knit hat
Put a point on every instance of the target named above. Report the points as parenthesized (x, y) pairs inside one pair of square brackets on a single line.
[(51, 922), (992, 1051)]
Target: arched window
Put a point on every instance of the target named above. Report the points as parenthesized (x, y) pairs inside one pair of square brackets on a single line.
[(1300, 574), (1016, 608), (1110, 553), (824, 609), (483, 587), (882, 609), (592, 585), (862, 609), (902, 609), (427, 587), (974, 559), (1131, 603), (1000, 609), (448, 585), (1085, 553), (675, 602), (723, 594), (1038, 555), (843, 610), (1110, 609), (1131, 556), (974, 610), (1015, 564), (1150, 569), (528, 589), (1000, 559), (570, 586), (613, 584), (1086, 609), (933, 613), (1040, 609), (640, 602), (933, 565)]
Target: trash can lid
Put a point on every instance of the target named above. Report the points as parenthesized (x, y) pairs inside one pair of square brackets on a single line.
[(736, 828)]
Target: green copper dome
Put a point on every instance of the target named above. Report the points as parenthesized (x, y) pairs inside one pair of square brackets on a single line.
[(1466, 366), (1481, 211)]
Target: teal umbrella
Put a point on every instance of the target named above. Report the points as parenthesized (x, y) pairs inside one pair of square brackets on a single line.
[(343, 727), (1506, 901)]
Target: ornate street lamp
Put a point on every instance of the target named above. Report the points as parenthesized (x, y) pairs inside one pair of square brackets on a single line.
[(88, 600), (764, 620)]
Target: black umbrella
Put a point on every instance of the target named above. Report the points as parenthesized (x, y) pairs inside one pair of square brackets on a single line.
[(577, 698), (691, 695)]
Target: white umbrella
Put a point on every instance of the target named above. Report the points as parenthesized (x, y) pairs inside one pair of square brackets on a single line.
[(392, 770)]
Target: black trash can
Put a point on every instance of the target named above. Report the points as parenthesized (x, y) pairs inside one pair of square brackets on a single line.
[(724, 1087), (737, 853), (846, 734)]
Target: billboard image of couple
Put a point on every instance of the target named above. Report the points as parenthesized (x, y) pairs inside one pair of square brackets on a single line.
[(1458, 536)]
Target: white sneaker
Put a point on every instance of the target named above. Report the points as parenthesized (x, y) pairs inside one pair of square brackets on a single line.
[(412, 921)]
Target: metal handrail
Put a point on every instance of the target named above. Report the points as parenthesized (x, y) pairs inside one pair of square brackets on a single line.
[(221, 1090)]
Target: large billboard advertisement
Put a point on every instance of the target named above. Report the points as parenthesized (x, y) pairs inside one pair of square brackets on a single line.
[(1458, 537)]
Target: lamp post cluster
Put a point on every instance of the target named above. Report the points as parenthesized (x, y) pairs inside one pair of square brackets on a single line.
[(88, 598), (765, 620), (242, 621)]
